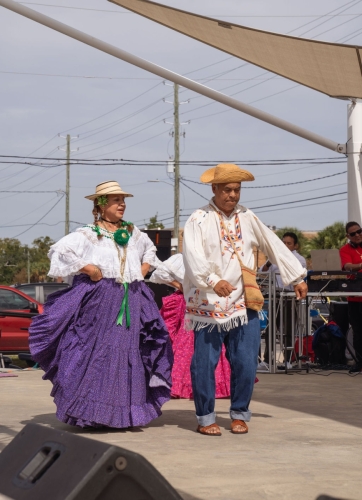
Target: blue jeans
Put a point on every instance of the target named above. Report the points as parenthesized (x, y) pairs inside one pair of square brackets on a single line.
[(242, 348)]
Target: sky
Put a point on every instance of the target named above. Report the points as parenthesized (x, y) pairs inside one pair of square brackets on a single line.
[(51, 86)]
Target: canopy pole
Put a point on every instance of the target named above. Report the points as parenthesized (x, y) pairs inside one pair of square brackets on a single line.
[(171, 76), (354, 162)]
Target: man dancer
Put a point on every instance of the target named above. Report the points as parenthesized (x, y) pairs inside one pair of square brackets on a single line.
[(214, 293)]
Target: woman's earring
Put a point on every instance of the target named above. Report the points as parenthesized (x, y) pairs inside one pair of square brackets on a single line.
[(102, 212)]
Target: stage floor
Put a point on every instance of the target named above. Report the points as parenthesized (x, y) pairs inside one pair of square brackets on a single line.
[(305, 438)]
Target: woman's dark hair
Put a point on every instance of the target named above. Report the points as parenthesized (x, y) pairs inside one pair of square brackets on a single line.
[(350, 224), (291, 235), (96, 211)]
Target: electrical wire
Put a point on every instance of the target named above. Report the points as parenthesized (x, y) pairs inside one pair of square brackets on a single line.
[(188, 187), (114, 109), (276, 185), (37, 222)]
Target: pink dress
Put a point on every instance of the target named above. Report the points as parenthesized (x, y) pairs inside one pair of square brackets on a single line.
[(173, 313)]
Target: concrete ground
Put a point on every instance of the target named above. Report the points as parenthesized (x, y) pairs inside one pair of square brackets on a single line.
[(304, 439)]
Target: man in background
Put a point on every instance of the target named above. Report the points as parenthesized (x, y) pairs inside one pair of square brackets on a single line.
[(351, 260), (290, 240)]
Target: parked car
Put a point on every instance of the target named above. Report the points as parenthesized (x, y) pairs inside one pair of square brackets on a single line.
[(16, 312), (40, 291)]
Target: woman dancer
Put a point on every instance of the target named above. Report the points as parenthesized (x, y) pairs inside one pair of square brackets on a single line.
[(171, 272), (102, 342)]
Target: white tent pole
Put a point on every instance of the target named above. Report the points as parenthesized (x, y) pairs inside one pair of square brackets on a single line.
[(354, 162), (169, 75)]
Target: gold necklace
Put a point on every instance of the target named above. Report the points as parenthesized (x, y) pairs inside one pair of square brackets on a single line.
[(359, 253)]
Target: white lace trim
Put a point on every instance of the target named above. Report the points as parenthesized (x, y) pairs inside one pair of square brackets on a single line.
[(196, 323)]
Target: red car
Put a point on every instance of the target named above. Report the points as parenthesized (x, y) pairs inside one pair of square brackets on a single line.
[(16, 312)]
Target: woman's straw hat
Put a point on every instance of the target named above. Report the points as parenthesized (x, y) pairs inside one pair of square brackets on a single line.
[(108, 187), (225, 173)]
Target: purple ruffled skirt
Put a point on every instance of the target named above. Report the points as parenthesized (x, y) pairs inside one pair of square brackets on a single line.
[(103, 374)]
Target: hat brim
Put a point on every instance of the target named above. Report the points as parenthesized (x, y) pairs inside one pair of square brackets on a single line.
[(123, 193), (208, 177)]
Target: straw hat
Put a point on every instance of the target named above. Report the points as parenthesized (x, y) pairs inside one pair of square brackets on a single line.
[(225, 173), (108, 187)]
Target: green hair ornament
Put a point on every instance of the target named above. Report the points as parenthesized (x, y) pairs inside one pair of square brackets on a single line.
[(102, 201)]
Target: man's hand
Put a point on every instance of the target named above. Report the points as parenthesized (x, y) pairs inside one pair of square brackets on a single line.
[(301, 290), (223, 288)]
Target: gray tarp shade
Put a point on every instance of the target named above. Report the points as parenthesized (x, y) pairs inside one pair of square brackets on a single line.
[(331, 68)]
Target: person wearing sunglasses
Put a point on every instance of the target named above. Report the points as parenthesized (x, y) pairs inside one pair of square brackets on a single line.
[(351, 260)]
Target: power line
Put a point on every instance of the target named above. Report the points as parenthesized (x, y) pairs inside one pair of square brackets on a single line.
[(299, 201), (188, 187), (213, 15), (276, 185), (304, 206), (114, 109), (37, 222)]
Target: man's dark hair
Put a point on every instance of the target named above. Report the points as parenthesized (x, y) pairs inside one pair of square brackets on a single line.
[(291, 235), (350, 224)]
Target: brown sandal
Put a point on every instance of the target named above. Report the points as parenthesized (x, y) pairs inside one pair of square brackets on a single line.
[(205, 430), (239, 427)]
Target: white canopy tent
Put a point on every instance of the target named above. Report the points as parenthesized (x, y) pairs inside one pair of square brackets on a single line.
[(332, 68)]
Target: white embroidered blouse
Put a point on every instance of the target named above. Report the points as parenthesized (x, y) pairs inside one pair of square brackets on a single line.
[(209, 257), (82, 247)]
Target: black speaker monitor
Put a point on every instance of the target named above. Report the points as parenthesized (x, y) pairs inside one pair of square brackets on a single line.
[(42, 463)]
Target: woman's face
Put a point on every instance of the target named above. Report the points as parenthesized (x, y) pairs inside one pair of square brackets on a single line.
[(115, 208)]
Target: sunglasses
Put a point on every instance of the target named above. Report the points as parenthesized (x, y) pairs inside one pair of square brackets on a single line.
[(359, 231)]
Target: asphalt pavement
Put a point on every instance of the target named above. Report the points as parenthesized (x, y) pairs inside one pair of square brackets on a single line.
[(304, 439)]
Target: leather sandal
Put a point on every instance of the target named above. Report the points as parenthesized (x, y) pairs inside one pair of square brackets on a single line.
[(205, 430), (239, 427)]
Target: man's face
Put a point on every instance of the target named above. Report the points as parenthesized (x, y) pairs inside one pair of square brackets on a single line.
[(289, 242), (226, 196), (353, 236)]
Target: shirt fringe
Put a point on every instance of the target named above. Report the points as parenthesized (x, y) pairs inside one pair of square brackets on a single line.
[(192, 323)]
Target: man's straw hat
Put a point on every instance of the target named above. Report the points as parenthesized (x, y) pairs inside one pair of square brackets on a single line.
[(108, 187), (225, 173)]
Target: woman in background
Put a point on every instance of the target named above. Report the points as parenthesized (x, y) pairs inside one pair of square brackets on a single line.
[(171, 272)]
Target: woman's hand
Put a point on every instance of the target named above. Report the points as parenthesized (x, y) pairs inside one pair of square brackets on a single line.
[(92, 271), (177, 285)]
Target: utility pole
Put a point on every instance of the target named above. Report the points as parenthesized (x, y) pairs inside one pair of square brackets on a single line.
[(176, 222), (67, 177), (67, 186), (28, 266)]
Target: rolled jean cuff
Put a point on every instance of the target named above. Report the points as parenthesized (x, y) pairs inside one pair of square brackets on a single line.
[(205, 420), (240, 415)]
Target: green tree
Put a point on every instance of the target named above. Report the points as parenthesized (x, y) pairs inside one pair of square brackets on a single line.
[(12, 259), (333, 236), (304, 243), (39, 261), (153, 224)]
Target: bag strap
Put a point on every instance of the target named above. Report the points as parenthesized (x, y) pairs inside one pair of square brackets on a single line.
[(229, 238)]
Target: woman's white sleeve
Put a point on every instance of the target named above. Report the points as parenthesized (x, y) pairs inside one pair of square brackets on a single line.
[(291, 270), (69, 255), (148, 251), (171, 269)]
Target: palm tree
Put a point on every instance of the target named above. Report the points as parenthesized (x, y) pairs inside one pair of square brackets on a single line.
[(333, 236)]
